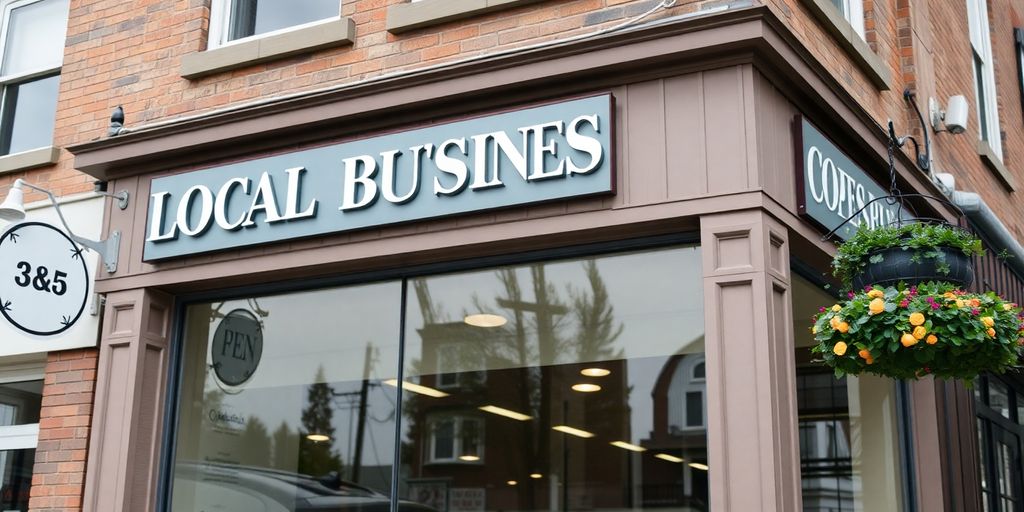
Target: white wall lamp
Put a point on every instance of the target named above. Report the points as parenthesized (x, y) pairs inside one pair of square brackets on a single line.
[(13, 210), (953, 119)]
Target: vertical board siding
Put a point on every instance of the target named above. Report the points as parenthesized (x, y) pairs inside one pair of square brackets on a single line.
[(726, 140), (775, 149), (646, 139), (685, 153)]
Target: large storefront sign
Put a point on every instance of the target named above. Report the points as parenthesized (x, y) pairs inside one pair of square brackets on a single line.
[(831, 188), (550, 152)]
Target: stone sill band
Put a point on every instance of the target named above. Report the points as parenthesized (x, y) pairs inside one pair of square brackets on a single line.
[(850, 40), (995, 164), (331, 33), (29, 159), (408, 16)]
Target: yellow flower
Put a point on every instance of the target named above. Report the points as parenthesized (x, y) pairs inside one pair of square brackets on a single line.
[(931, 339), (839, 349), (837, 308), (908, 340), (988, 321), (876, 294), (1007, 306), (916, 318), (876, 306), (843, 327), (919, 332), (959, 303), (814, 329), (991, 332), (949, 295)]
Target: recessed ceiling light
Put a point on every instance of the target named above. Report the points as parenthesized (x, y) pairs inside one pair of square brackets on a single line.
[(595, 372), (628, 446), (697, 465), (469, 458), (536, 476), (586, 387), (670, 458), (512, 482), (485, 320), (318, 438), (493, 409), (574, 431), (416, 388)]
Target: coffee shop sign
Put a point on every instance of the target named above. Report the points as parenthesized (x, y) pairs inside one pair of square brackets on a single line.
[(550, 152)]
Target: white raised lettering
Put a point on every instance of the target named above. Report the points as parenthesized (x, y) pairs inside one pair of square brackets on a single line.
[(220, 207), (185, 210), (452, 166), (291, 204), (156, 222), (264, 201), (353, 179), (584, 143)]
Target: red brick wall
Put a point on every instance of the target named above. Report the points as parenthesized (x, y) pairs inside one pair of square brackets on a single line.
[(59, 473)]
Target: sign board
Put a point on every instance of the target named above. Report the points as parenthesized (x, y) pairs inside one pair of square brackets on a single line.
[(831, 188), (237, 347), (44, 281), (467, 499), (545, 153)]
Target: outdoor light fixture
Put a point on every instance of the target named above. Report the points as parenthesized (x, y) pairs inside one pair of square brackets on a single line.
[(697, 465), (485, 320), (565, 429), (536, 476), (317, 438), (416, 388), (13, 210), (670, 458), (469, 458), (493, 409), (586, 387), (628, 446), (512, 482), (595, 372)]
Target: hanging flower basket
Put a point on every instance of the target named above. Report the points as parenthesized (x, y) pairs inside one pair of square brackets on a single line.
[(911, 332)]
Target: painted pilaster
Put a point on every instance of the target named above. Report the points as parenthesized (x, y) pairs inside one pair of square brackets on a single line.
[(124, 446), (752, 420)]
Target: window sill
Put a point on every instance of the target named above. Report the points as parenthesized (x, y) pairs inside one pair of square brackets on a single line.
[(306, 39), (29, 159), (408, 16), (850, 40), (996, 166)]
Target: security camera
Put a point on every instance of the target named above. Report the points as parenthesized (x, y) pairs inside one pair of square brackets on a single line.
[(954, 118)]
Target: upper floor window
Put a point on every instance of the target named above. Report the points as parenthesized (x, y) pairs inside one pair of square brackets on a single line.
[(32, 53), (853, 11), (984, 76), (231, 20)]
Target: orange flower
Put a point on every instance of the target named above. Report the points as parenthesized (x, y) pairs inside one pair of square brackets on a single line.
[(931, 339), (864, 353), (870, 360), (949, 295), (876, 306), (834, 322), (876, 294), (991, 332), (988, 321), (843, 327), (975, 302), (916, 318), (839, 349), (919, 332), (908, 340)]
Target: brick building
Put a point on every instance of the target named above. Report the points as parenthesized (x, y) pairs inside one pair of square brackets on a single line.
[(688, 113)]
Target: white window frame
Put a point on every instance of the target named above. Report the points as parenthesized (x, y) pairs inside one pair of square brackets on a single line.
[(695, 385), (981, 47), (459, 421), (25, 76), (24, 436), (853, 11), (220, 25)]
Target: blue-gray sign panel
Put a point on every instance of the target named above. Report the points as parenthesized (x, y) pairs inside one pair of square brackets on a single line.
[(545, 153), (831, 188)]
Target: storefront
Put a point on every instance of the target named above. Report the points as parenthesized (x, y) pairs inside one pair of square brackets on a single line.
[(569, 278)]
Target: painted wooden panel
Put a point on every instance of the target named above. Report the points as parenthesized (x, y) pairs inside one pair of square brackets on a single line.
[(685, 133), (726, 132), (645, 139), (775, 151)]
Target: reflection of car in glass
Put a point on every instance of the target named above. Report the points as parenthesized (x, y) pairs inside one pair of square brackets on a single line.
[(220, 487)]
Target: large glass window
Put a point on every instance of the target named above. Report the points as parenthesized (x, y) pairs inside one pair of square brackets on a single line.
[(564, 385), (984, 75), (19, 433), (237, 19), (999, 402), (849, 444), (33, 50)]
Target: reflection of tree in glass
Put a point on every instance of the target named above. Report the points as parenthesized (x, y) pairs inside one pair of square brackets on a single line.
[(286, 448), (316, 458), (256, 443)]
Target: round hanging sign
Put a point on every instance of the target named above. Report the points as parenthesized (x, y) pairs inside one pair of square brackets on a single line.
[(44, 283), (237, 347)]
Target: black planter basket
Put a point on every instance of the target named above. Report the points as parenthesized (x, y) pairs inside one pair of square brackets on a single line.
[(898, 265)]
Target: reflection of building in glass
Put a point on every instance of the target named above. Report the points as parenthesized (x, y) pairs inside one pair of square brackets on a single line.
[(826, 462), (680, 431)]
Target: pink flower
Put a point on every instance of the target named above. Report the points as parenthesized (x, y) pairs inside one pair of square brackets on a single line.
[(868, 288), (935, 306), (904, 303), (913, 290), (851, 295), (975, 311), (821, 309)]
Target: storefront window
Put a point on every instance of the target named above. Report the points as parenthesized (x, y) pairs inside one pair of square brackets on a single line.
[(849, 447), (563, 385), (19, 432)]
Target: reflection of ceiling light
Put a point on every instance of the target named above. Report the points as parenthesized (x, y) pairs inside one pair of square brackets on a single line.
[(485, 320), (697, 465), (574, 431), (586, 388), (670, 458), (493, 409), (469, 458), (318, 438), (595, 372), (512, 482), (627, 446), (416, 388), (536, 476)]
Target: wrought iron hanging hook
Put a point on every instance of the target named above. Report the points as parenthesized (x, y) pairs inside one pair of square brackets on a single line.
[(924, 161)]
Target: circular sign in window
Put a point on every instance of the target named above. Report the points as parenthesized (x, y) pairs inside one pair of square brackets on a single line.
[(237, 347), (44, 283)]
